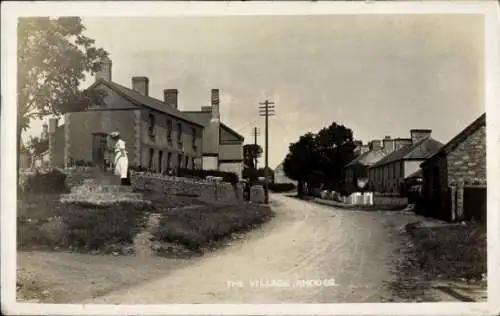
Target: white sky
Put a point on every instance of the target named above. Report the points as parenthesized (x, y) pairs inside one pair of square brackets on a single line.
[(378, 75)]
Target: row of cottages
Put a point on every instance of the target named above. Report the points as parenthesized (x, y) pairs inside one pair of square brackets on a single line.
[(388, 174), (356, 173), (158, 135), (454, 178)]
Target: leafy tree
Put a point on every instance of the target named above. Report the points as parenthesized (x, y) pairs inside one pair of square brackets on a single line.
[(336, 145), (37, 145), (53, 58), (250, 154), (301, 163)]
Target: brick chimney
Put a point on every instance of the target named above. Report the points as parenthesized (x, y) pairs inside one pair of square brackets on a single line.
[(215, 104), (401, 142), (388, 144), (105, 71), (375, 144), (141, 85), (419, 134), (364, 149), (170, 97)]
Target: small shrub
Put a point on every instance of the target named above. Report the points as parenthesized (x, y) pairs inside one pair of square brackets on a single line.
[(281, 187), (53, 181)]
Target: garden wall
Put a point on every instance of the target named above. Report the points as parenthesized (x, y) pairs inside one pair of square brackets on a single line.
[(389, 199)]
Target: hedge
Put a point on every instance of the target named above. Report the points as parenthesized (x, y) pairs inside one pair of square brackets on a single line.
[(53, 181), (281, 187)]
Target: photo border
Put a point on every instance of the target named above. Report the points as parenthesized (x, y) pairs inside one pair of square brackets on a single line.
[(12, 10)]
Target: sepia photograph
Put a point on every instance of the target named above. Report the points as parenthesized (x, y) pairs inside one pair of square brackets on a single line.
[(244, 153)]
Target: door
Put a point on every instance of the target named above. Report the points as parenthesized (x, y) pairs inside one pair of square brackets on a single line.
[(99, 144)]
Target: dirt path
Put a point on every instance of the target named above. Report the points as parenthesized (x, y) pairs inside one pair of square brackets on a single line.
[(305, 241)]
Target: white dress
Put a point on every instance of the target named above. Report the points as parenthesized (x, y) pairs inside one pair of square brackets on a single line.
[(121, 159)]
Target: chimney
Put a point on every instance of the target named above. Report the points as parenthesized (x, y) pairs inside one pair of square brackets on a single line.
[(364, 149), (388, 144), (105, 71), (419, 134), (170, 97), (375, 144), (401, 142), (215, 104), (141, 85)]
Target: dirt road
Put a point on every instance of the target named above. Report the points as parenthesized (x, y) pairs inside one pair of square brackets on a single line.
[(309, 253)]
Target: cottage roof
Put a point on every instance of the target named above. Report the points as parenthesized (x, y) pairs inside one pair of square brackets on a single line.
[(368, 158), (422, 149), (147, 101), (203, 118), (455, 141)]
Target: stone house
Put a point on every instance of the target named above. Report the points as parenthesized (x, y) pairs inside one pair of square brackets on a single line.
[(157, 134), (222, 146), (462, 160), (280, 176), (369, 155), (388, 174)]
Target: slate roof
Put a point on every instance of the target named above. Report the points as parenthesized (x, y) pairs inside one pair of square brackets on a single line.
[(203, 118), (150, 102), (455, 141), (368, 158), (422, 149)]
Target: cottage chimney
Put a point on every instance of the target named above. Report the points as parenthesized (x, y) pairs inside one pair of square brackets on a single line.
[(215, 104), (375, 144), (401, 142), (141, 85), (105, 70), (170, 97), (388, 144), (419, 134), (364, 149), (358, 145)]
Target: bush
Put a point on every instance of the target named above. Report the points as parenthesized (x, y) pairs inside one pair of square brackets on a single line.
[(53, 181), (230, 177), (196, 228), (281, 187)]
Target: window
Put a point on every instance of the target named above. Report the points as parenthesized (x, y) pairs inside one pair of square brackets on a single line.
[(186, 162), (179, 133), (160, 161), (394, 171), (193, 134), (151, 156), (151, 127), (192, 163), (169, 160), (179, 161), (169, 131)]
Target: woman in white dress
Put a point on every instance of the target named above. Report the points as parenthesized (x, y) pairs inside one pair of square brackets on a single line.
[(121, 159)]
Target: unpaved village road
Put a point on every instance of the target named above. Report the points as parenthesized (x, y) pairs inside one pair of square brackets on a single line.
[(306, 241)]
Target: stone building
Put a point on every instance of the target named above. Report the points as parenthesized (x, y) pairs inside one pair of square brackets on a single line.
[(388, 174), (460, 162), (157, 134), (222, 146), (369, 154)]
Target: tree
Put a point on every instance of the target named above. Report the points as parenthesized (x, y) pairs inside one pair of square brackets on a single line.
[(53, 58), (336, 145), (37, 145), (301, 163), (250, 154)]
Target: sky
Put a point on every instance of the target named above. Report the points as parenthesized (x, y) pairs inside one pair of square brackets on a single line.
[(378, 75)]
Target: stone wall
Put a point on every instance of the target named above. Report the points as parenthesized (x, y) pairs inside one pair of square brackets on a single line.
[(468, 159)]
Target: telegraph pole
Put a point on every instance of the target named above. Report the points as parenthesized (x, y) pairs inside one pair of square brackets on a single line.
[(266, 109), (255, 133)]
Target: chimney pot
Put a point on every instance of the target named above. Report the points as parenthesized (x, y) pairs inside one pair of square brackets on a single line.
[(419, 134), (170, 97), (105, 71), (141, 85)]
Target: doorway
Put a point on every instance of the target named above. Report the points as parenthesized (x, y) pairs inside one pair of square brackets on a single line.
[(99, 145)]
